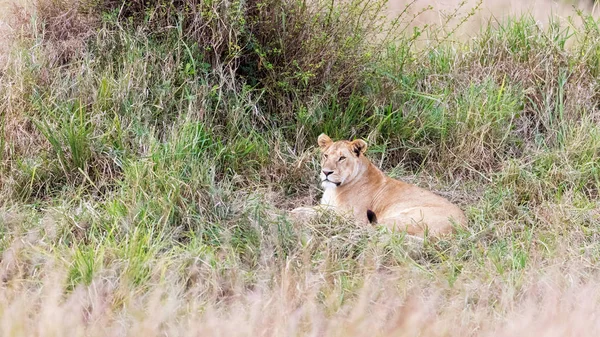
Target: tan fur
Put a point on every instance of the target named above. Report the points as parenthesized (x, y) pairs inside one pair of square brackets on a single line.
[(354, 186)]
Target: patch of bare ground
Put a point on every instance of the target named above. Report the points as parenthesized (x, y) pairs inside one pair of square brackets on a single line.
[(468, 17), (13, 13)]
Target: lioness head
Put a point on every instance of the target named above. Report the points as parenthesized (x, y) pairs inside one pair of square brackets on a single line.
[(341, 161)]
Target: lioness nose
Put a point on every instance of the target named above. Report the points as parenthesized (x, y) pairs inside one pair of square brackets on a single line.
[(326, 173)]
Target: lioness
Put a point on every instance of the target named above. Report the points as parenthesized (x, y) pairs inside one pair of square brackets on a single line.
[(353, 185)]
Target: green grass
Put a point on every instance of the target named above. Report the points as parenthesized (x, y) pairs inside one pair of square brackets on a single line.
[(148, 159)]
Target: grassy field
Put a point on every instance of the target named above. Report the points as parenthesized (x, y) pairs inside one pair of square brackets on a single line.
[(150, 152)]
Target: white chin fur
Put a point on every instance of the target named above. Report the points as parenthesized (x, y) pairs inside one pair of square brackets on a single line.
[(328, 184)]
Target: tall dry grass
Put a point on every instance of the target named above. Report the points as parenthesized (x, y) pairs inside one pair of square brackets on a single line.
[(559, 302), (149, 154)]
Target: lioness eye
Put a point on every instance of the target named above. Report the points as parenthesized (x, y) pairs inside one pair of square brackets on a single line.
[(342, 158)]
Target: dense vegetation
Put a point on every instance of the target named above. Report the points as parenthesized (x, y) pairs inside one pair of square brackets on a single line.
[(149, 151)]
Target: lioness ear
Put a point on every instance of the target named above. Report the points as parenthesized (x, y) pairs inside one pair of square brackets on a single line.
[(324, 141), (359, 147)]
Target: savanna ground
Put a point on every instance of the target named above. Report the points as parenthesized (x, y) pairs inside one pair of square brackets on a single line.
[(151, 150)]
